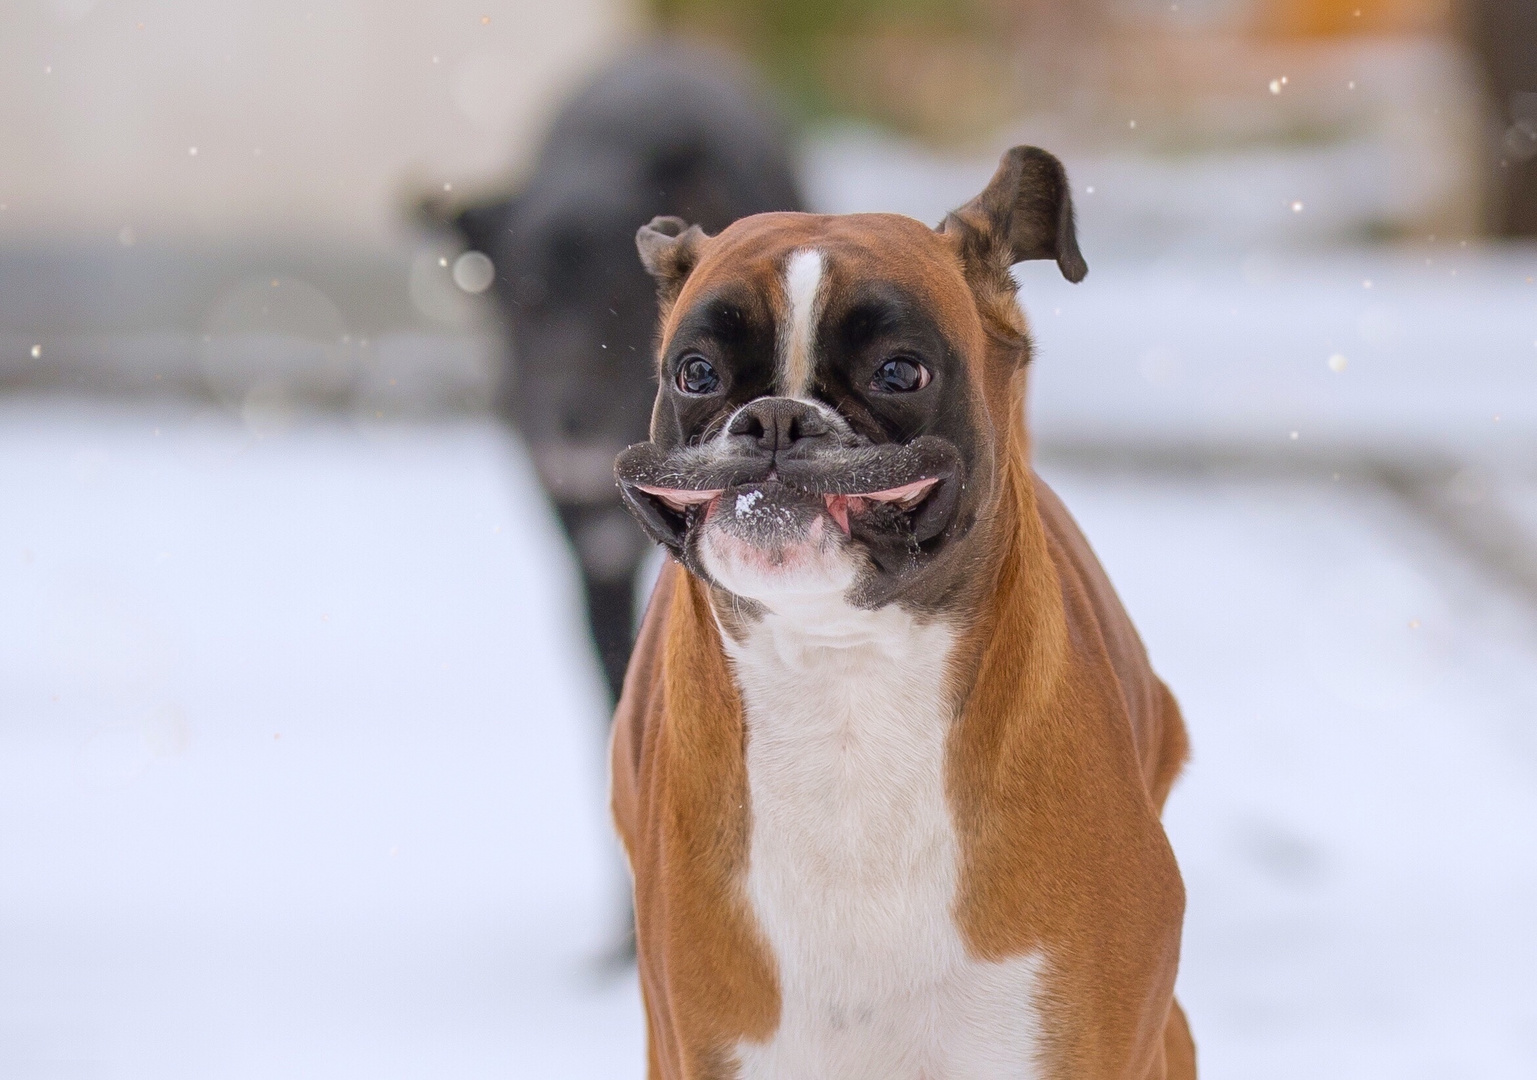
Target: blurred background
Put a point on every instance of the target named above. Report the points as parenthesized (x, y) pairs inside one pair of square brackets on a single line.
[(300, 726)]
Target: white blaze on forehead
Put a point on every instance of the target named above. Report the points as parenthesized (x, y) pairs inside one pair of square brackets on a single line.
[(803, 286)]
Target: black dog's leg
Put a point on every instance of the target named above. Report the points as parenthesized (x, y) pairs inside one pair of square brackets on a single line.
[(610, 550), (611, 615)]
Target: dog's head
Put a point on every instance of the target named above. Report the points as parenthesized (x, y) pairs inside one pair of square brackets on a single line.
[(576, 306), (836, 392)]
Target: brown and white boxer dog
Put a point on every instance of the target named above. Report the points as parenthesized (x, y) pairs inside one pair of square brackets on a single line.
[(890, 758)]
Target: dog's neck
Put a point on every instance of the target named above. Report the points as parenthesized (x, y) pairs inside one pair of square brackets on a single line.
[(806, 623)]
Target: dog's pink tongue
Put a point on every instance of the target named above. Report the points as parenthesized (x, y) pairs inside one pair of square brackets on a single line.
[(838, 507)]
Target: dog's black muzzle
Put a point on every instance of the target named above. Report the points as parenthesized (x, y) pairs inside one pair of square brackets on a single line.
[(668, 491)]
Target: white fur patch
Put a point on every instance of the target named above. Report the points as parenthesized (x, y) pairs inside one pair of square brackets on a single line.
[(853, 861), (806, 566), (803, 286)]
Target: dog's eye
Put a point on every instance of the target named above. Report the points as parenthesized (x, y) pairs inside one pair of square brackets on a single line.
[(696, 375), (900, 375)]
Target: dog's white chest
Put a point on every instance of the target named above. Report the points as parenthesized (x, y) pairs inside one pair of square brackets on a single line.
[(853, 861)]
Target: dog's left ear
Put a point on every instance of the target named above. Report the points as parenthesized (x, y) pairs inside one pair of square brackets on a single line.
[(1025, 212), (670, 248)]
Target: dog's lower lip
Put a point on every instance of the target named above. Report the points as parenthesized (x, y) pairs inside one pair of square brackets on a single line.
[(680, 499), (907, 497)]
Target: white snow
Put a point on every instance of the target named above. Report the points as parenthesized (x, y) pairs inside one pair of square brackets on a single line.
[(1358, 829), (299, 758), (300, 764), (301, 752)]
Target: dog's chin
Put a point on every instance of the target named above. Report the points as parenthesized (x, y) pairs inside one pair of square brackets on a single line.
[(775, 546)]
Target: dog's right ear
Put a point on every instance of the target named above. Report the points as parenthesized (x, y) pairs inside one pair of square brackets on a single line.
[(670, 248)]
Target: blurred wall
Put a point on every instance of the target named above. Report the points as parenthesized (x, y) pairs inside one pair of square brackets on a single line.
[(1215, 116), (173, 120)]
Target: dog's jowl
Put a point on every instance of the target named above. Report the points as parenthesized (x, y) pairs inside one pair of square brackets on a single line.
[(890, 759)]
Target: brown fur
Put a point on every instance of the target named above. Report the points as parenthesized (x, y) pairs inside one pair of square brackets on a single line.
[(679, 796), (1064, 745), (1047, 748)]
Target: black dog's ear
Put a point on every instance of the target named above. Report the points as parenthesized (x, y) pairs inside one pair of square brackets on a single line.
[(1025, 212), (485, 226), (670, 248), (480, 225)]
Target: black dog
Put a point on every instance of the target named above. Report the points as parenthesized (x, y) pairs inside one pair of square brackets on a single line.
[(667, 130)]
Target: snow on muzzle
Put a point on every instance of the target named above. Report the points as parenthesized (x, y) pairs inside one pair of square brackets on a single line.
[(921, 479)]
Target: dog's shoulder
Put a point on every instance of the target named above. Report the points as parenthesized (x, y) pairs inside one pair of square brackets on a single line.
[(640, 703), (1156, 724)]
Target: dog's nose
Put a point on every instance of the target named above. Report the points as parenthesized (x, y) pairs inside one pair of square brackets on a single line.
[(774, 425)]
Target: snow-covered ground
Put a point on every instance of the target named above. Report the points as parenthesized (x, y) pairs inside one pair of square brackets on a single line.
[(300, 763), (1358, 828), (299, 758)]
